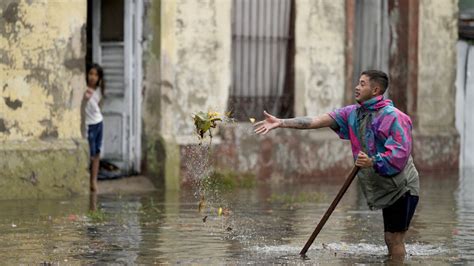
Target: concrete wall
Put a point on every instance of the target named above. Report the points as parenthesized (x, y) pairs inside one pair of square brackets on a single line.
[(436, 139), (195, 61), (190, 66), (319, 60), (42, 68), (187, 69), (437, 65), (282, 155), (42, 50), (319, 88)]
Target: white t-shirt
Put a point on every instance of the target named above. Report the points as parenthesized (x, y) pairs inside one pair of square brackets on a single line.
[(93, 113)]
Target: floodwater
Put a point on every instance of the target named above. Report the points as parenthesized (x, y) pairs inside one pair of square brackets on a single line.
[(265, 224)]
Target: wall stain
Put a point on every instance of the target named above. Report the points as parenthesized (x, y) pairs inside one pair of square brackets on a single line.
[(31, 179), (49, 134), (5, 58), (74, 64), (10, 14), (50, 131), (3, 127), (40, 74), (13, 104)]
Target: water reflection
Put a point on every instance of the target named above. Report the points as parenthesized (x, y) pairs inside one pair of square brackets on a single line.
[(464, 231), (166, 227)]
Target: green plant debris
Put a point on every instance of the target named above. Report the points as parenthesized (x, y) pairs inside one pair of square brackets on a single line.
[(96, 216), (227, 180), (204, 122), (299, 198)]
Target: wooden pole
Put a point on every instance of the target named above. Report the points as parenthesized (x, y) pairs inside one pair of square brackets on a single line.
[(328, 213)]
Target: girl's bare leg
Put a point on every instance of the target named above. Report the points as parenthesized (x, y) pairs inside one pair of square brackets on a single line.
[(94, 173)]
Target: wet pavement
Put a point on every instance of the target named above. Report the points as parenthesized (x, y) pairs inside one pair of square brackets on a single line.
[(265, 224)]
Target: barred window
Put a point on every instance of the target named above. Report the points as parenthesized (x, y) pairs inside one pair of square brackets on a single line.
[(262, 58)]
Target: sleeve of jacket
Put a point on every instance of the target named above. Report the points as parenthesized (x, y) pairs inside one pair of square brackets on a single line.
[(341, 117), (396, 128)]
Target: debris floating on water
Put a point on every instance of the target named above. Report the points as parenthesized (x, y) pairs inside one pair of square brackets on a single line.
[(202, 204)]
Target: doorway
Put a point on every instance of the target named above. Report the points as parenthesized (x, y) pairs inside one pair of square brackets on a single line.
[(114, 41)]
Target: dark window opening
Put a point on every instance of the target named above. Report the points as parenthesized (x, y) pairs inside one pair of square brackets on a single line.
[(111, 16)]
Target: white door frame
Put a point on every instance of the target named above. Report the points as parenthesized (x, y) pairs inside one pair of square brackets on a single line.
[(132, 125), (137, 86)]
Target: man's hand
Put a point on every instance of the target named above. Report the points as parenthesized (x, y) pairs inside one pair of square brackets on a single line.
[(363, 160), (264, 126)]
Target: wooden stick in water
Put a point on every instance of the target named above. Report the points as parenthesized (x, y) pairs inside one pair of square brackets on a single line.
[(328, 213)]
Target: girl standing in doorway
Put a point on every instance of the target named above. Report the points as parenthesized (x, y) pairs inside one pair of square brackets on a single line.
[(94, 119)]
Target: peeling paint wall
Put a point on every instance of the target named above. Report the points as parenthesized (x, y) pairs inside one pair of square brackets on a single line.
[(437, 65), (319, 60), (41, 69), (42, 58), (187, 68), (195, 61)]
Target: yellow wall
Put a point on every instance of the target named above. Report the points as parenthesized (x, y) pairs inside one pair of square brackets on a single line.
[(42, 50), (319, 59)]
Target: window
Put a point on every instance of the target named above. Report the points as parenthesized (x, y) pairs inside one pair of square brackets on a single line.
[(262, 58)]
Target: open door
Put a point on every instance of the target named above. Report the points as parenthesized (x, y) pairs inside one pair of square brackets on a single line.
[(116, 47)]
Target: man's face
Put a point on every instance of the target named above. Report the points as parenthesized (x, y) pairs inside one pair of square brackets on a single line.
[(364, 90)]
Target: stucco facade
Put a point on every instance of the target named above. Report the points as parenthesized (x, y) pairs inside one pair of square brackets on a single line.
[(187, 70), (436, 144), (187, 67), (423, 86), (319, 56), (42, 81)]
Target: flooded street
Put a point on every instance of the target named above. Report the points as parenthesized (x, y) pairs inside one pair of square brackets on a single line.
[(265, 224)]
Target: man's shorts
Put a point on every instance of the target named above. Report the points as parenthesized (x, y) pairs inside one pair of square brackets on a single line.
[(397, 217), (94, 136)]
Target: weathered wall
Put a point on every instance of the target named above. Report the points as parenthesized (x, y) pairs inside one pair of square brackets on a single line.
[(38, 169), (194, 70), (42, 48), (319, 60), (282, 155), (187, 69), (437, 65), (41, 68), (195, 61), (436, 139)]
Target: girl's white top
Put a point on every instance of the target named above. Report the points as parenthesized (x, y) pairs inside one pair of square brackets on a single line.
[(93, 113)]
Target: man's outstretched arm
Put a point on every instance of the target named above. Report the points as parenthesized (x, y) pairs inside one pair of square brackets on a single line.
[(272, 122)]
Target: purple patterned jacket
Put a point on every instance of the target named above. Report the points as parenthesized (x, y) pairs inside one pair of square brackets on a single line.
[(388, 138)]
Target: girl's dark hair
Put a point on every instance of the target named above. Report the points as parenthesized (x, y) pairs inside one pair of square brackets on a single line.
[(100, 72)]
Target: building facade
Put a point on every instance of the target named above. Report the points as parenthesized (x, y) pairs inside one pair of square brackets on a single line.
[(165, 60)]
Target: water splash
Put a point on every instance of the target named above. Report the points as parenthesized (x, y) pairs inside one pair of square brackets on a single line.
[(199, 168), (415, 249)]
